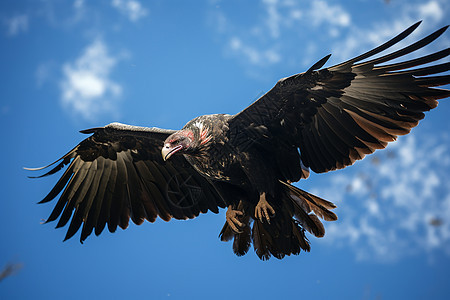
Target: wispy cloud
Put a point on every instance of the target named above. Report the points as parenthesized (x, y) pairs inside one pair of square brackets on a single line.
[(78, 4), (322, 12), (273, 17), (431, 10), (363, 38), (86, 88), (45, 71), (264, 42), (16, 25), (252, 54), (395, 203), (293, 32), (131, 8)]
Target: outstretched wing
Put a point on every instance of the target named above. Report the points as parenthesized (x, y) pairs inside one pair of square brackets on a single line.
[(339, 114), (118, 173)]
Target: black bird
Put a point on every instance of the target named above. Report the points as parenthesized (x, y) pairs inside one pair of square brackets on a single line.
[(319, 120)]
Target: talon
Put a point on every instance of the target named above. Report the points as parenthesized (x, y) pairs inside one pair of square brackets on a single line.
[(232, 219), (262, 209)]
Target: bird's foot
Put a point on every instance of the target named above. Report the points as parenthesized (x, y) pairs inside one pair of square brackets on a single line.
[(232, 217), (262, 209)]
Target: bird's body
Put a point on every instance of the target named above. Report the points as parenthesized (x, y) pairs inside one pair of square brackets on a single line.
[(212, 131), (319, 120)]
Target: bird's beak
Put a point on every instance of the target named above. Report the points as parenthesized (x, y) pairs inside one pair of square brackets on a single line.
[(167, 151)]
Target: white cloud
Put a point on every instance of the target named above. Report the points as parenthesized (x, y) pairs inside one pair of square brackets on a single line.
[(291, 29), (431, 10), (45, 72), (60, 15), (283, 15), (273, 17), (17, 24), (399, 203), (253, 55), (86, 88), (361, 39), (322, 12), (131, 8), (78, 4), (264, 43)]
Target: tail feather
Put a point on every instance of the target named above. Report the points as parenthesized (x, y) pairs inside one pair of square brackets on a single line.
[(226, 234), (309, 202), (300, 237), (243, 240), (296, 211), (283, 236), (310, 222), (262, 240)]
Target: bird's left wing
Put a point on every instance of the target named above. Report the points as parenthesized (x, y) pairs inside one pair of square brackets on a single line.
[(117, 174), (337, 115)]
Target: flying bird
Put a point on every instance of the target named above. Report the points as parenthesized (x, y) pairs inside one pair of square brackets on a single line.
[(321, 120)]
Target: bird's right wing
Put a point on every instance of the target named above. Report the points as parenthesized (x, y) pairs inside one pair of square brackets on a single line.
[(118, 173), (337, 115)]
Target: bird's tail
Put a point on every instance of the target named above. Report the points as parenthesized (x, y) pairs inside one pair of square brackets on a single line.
[(285, 235)]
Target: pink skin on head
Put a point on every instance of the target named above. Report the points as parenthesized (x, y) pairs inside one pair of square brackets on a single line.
[(176, 142)]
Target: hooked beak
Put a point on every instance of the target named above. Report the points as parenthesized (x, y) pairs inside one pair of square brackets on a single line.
[(167, 151)]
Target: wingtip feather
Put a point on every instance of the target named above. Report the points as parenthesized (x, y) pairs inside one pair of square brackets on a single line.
[(91, 130), (319, 64)]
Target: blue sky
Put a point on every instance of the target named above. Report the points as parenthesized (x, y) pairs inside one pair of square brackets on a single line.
[(71, 65)]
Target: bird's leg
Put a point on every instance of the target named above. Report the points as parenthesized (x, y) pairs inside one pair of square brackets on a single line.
[(262, 209), (232, 219)]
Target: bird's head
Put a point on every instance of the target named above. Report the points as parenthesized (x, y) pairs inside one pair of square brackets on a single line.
[(194, 139), (179, 142)]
